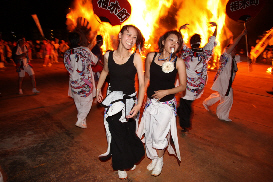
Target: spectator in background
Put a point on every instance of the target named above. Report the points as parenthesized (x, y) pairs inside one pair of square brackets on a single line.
[(253, 59), (242, 52), (2, 54), (56, 46), (47, 53), (98, 52), (29, 45), (63, 47), (38, 49), (8, 53), (24, 66), (269, 56), (264, 56), (52, 52)]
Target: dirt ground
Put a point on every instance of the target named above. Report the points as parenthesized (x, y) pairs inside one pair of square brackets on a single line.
[(39, 141)]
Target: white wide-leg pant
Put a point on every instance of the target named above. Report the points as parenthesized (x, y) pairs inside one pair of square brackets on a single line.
[(157, 130), (83, 105), (223, 107)]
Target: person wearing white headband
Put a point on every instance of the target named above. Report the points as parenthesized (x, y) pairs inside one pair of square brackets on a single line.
[(223, 81), (196, 60)]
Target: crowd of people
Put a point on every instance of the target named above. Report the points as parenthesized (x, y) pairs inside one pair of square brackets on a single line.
[(89, 69), (49, 50), (20, 53)]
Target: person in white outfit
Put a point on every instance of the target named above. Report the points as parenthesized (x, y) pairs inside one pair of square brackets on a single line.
[(159, 118), (78, 61), (24, 66), (223, 81), (196, 60)]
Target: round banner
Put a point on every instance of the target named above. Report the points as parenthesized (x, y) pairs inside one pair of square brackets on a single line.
[(244, 9), (113, 11)]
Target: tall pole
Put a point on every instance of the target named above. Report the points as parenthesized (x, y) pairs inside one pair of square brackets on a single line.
[(247, 57)]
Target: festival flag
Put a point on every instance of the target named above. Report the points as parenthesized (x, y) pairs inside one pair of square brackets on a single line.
[(113, 11), (240, 9), (259, 48), (34, 16)]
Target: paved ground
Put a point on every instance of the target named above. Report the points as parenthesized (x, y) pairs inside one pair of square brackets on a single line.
[(39, 140)]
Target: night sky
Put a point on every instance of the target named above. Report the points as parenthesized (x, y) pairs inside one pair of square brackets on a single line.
[(15, 15)]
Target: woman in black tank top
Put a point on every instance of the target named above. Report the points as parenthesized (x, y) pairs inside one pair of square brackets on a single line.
[(124, 146), (159, 115)]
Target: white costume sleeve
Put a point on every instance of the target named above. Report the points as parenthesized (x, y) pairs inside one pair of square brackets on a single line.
[(211, 44), (221, 83)]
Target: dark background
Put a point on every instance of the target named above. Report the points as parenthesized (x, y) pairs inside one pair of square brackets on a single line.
[(15, 16)]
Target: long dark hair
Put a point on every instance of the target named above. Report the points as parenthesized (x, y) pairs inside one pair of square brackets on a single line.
[(74, 39), (140, 39), (194, 41), (164, 37)]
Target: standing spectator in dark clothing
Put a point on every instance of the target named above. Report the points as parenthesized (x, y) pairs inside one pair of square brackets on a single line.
[(38, 49), (8, 53), (98, 52), (62, 48)]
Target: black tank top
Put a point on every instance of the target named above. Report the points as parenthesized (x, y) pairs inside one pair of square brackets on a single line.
[(122, 77), (160, 80)]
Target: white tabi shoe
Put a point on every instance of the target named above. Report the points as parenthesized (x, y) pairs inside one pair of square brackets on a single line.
[(158, 167), (152, 165), (81, 124), (205, 106), (228, 120), (122, 174), (133, 168), (35, 91)]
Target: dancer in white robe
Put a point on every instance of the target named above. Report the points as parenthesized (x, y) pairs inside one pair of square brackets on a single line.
[(223, 81), (78, 61), (196, 61), (158, 122)]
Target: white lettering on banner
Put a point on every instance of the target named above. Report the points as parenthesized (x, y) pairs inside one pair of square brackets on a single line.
[(114, 8), (237, 5)]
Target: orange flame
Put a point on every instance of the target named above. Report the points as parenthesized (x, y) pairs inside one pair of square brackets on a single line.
[(148, 18), (269, 70)]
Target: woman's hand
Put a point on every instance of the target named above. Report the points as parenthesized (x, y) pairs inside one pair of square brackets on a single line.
[(183, 27), (160, 94), (134, 111), (99, 96)]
